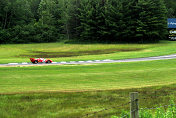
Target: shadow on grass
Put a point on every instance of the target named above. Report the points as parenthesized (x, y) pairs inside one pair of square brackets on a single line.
[(73, 41), (43, 54)]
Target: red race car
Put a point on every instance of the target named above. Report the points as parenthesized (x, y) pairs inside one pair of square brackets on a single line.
[(40, 60)]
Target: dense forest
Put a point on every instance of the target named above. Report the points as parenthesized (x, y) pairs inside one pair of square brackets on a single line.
[(27, 21)]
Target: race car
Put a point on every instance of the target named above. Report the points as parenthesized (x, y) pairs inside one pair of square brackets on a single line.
[(40, 60)]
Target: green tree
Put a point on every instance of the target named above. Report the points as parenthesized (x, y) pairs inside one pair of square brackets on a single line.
[(93, 20), (171, 8), (114, 20), (44, 28), (13, 14), (152, 22), (87, 26)]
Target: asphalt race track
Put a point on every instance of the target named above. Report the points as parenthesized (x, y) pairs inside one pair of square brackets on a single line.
[(173, 56)]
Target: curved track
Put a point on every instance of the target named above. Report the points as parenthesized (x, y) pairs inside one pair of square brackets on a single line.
[(173, 56)]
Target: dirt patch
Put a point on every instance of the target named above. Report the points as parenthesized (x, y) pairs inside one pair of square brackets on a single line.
[(43, 54)]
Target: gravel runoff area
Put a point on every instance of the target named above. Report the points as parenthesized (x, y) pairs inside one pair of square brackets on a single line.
[(173, 56)]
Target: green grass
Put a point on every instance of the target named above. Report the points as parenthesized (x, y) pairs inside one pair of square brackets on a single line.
[(72, 52), (87, 77), (79, 104), (161, 112), (72, 91)]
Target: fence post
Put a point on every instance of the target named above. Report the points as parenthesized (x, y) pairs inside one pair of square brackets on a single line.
[(134, 105)]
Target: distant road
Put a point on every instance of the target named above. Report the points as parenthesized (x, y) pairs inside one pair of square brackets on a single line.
[(173, 56)]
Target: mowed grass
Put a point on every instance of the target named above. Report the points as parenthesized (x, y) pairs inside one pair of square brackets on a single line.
[(87, 77), (73, 91), (73, 52)]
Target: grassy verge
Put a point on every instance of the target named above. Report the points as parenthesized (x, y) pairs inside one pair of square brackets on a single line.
[(87, 77), (48, 91), (79, 104), (72, 52)]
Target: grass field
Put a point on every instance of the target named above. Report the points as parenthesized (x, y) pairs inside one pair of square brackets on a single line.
[(79, 104), (72, 91), (87, 77), (73, 52)]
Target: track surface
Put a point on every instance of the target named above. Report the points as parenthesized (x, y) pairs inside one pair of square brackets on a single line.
[(173, 56)]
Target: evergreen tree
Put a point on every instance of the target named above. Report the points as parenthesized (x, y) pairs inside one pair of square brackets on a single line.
[(171, 8), (93, 20), (102, 30), (73, 20), (152, 22), (87, 26), (25, 21), (114, 21), (45, 29), (130, 15)]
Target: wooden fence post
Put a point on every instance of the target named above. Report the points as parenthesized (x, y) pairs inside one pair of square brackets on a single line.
[(134, 106)]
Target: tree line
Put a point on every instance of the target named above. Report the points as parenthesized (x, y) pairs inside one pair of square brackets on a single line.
[(27, 21)]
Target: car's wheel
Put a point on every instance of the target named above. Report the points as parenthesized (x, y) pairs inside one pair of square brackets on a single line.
[(35, 62), (48, 62)]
